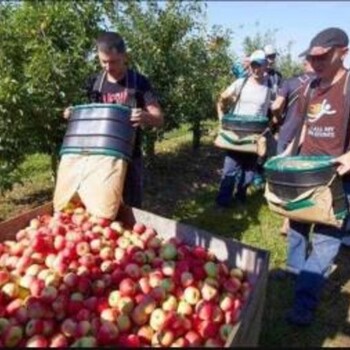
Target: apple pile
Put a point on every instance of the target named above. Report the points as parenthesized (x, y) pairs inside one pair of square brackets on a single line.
[(75, 280)]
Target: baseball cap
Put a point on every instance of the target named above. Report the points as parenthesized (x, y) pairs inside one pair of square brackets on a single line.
[(326, 40), (258, 56), (270, 50)]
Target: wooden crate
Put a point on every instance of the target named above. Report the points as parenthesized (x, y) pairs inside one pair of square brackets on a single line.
[(236, 254)]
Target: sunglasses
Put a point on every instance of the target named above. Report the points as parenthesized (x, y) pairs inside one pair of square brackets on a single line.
[(271, 57)]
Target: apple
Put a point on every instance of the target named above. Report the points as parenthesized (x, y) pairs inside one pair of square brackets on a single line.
[(139, 228), (154, 243), (12, 336), (192, 295), (123, 242), (184, 308), (123, 323), (186, 279), (144, 285), (10, 289), (106, 253), (180, 342), (139, 258), (88, 342), (109, 315), (237, 273), (69, 327), (117, 226), (83, 248), (227, 301), (157, 319), (193, 338), (155, 279), (207, 329), (13, 306), (205, 310), (232, 285), (127, 287), (58, 341), (225, 331), (125, 305), (36, 341), (113, 298), (107, 333), (163, 337), (145, 333), (133, 271), (211, 269), (170, 303), (4, 323), (139, 316), (209, 292), (213, 343), (168, 252), (129, 341)]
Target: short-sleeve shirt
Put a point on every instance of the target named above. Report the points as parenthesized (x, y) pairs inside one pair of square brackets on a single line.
[(325, 127), (134, 90), (254, 98), (290, 90)]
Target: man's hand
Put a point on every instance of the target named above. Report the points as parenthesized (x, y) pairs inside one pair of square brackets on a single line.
[(138, 117), (67, 112), (343, 163)]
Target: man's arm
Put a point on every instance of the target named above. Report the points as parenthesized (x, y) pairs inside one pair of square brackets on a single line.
[(226, 99), (343, 163), (151, 115)]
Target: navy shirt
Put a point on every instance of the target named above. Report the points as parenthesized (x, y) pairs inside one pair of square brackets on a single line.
[(290, 90), (134, 91)]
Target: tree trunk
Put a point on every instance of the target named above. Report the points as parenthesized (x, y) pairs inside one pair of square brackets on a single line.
[(196, 134), (54, 166)]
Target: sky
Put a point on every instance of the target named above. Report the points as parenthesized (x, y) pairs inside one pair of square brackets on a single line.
[(296, 21)]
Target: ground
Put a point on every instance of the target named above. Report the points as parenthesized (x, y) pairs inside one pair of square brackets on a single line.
[(182, 185)]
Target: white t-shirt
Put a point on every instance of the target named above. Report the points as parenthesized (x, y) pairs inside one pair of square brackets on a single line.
[(254, 99)]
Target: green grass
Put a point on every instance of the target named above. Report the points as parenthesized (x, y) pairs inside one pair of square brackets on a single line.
[(182, 184)]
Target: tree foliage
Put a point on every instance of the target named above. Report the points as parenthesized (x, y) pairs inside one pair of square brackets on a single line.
[(47, 52), (43, 59)]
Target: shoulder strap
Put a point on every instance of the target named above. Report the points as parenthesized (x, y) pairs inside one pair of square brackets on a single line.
[(239, 93), (98, 84), (346, 94), (294, 95), (310, 90)]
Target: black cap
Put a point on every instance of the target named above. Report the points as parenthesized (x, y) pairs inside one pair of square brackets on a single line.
[(326, 39)]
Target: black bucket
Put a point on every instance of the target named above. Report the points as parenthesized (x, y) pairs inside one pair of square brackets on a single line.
[(244, 126), (100, 129), (290, 183)]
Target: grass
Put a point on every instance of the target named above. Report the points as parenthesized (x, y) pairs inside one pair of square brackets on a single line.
[(182, 184)]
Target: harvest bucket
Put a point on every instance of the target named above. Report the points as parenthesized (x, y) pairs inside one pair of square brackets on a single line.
[(103, 129)]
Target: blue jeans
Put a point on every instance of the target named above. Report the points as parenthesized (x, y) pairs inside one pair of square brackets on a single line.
[(312, 258), (133, 187), (237, 173)]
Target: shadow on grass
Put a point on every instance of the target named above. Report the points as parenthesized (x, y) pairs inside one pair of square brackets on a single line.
[(37, 198), (183, 186), (331, 326)]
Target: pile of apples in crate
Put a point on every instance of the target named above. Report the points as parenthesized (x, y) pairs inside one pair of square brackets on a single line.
[(75, 280)]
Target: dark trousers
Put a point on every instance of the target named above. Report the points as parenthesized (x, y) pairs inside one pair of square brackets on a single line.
[(237, 174), (133, 187)]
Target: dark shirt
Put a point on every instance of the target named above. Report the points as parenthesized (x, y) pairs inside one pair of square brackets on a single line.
[(326, 133), (274, 82), (290, 91), (134, 91)]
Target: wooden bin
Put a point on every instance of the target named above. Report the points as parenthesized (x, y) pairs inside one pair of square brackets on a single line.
[(236, 254)]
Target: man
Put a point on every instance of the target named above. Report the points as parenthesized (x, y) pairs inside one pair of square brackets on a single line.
[(118, 84), (251, 97), (283, 110), (274, 77), (284, 106), (240, 69), (274, 80), (324, 133)]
